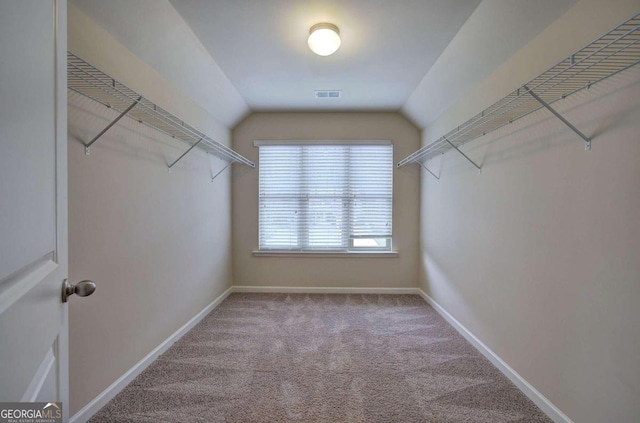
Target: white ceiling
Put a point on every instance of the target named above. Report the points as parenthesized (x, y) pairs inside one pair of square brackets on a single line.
[(387, 48), (230, 56)]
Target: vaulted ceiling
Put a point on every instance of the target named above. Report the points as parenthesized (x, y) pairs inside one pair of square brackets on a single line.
[(234, 56), (387, 48)]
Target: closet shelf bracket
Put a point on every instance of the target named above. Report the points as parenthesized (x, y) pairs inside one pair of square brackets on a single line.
[(463, 155), (87, 147), (587, 140), (428, 170), (185, 153), (219, 172)]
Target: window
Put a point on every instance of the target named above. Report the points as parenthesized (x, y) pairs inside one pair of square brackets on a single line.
[(325, 197)]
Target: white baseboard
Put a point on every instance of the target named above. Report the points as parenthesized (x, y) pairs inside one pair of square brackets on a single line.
[(534, 395), (107, 395), (323, 290)]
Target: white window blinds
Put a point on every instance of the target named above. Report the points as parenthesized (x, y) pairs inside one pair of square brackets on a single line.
[(325, 197)]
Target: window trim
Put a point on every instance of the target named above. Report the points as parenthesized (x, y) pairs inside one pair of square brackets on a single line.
[(326, 254), (258, 143)]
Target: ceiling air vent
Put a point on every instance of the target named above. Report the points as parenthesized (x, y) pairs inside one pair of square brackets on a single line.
[(328, 94)]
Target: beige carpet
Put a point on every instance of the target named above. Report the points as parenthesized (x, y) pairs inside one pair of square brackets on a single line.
[(321, 358)]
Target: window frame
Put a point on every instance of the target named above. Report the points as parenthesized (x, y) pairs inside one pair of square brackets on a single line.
[(386, 250)]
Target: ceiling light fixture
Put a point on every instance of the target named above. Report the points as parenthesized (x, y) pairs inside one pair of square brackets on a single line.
[(324, 39)]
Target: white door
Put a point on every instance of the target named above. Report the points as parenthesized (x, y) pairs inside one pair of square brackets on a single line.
[(33, 202)]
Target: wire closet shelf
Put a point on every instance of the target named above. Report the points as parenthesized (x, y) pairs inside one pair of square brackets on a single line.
[(91, 82), (614, 52)]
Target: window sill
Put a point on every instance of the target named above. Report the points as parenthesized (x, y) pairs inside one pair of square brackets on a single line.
[(328, 254)]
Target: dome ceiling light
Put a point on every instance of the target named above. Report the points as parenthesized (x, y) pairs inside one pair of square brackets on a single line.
[(324, 39)]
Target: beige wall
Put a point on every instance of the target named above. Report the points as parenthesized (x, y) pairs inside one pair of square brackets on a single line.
[(326, 272), (158, 245), (538, 256)]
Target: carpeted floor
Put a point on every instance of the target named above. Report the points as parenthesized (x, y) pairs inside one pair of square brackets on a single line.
[(321, 358)]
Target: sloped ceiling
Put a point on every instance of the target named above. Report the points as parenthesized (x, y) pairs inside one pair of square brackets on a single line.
[(157, 34), (387, 48), (496, 30), (233, 56)]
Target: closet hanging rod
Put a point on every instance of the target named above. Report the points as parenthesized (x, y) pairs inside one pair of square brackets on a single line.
[(91, 82), (612, 53)]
